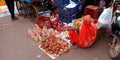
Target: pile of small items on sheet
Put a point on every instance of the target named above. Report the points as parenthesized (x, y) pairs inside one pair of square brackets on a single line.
[(52, 42), (38, 34), (54, 45)]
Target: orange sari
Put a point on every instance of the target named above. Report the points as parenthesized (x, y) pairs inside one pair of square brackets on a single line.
[(87, 34)]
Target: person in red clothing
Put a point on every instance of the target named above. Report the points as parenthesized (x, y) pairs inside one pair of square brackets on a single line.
[(87, 33), (54, 17)]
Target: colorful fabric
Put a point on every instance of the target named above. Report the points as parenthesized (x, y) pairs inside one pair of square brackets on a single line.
[(87, 33)]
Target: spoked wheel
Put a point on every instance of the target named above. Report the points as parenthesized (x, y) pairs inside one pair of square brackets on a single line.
[(114, 50), (21, 8), (32, 11)]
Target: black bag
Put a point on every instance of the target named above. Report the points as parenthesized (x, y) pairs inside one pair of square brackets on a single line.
[(116, 23)]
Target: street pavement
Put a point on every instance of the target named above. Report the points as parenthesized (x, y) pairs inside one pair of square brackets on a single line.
[(15, 44)]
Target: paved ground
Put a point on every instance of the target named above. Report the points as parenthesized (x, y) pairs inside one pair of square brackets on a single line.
[(15, 44)]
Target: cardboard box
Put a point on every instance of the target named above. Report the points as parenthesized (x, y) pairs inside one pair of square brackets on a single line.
[(93, 11)]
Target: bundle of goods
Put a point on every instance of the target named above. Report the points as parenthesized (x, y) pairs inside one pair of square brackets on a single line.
[(78, 22), (38, 34), (54, 45), (44, 21), (35, 33), (67, 14), (71, 11), (93, 11), (60, 2)]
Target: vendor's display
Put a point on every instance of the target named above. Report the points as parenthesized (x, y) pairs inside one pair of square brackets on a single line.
[(38, 34), (52, 42), (78, 22), (54, 45), (93, 11), (60, 2), (71, 11)]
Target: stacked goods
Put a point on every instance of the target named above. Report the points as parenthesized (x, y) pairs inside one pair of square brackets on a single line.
[(60, 2), (93, 11), (38, 34), (80, 9), (54, 45), (35, 33), (68, 14), (77, 22), (67, 19)]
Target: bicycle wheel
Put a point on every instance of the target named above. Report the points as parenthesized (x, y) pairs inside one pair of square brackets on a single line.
[(21, 8), (115, 51), (32, 11)]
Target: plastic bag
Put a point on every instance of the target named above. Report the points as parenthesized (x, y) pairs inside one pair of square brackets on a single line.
[(71, 5), (105, 19)]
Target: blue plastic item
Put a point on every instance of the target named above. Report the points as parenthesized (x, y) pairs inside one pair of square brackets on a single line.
[(68, 14), (67, 11), (43, 12), (75, 0), (67, 19), (80, 6), (28, 1), (60, 2)]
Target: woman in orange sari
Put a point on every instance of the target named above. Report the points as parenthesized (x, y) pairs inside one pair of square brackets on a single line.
[(87, 33)]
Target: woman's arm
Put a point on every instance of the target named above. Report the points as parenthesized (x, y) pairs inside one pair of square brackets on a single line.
[(70, 28)]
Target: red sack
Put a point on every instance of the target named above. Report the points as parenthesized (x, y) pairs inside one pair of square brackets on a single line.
[(44, 21)]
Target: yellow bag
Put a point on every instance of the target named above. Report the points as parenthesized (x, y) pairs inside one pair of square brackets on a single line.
[(2, 3)]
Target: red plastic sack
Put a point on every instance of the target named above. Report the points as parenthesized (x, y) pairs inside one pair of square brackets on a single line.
[(44, 21), (87, 34)]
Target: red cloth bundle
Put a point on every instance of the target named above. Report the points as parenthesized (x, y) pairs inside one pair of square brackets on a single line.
[(44, 21)]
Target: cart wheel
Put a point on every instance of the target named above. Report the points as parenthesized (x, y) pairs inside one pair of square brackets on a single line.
[(32, 11), (21, 8), (114, 52)]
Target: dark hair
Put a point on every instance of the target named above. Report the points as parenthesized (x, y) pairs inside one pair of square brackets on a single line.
[(53, 8)]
